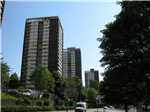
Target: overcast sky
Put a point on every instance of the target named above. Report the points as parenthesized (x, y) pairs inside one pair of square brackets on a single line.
[(81, 22)]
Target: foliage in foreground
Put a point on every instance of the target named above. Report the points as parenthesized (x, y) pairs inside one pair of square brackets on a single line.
[(125, 47), (12, 108), (5, 69)]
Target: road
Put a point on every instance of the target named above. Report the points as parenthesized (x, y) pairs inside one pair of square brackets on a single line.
[(99, 109)]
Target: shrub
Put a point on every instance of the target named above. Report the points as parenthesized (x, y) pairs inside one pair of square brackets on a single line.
[(46, 102), (59, 101), (13, 108), (63, 108), (39, 102), (27, 101), (44, 108), (19, 101), (71, 103), (49, 108), (71, 107), (58, 108)]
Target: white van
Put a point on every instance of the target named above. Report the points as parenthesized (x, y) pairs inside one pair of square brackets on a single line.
[(80, 106)]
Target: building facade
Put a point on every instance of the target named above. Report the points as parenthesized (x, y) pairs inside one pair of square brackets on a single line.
[(91, 75), (72, 62), (2, 4), (43, 44)]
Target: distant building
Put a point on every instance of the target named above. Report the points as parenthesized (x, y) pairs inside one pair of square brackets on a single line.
[(72, 62), (91, 75), (43, 44), (2, 4)]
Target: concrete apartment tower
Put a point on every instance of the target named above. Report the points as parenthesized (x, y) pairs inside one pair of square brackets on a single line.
[(43, 44), (91, 75), (2, 5), (72, 62)]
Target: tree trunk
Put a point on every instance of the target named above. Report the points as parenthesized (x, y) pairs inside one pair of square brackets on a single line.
[(146, 108), (126, 108)]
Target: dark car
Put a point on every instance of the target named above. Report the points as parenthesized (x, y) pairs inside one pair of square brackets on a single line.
[(12, 91)]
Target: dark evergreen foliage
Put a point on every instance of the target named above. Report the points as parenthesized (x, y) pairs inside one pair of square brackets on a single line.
[(126, 55)]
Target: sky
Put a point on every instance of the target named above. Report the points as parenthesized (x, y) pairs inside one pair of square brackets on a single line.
[(81, 22)]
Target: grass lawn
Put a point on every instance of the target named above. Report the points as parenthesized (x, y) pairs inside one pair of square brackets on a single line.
[(12, 96)]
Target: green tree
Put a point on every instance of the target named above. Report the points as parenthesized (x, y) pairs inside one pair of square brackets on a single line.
[(21, 89), (75, 82), (72, 84), (115, 90), (5, 69), (42, 78), (92, 95), (61, 84), (84, 94), (79, 86), (94, 84), (125, 48), (14, 81)]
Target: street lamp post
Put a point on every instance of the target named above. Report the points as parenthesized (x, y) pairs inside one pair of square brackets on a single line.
[(54, 95)]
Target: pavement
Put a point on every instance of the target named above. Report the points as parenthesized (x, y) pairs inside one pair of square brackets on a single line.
[(95, 109)]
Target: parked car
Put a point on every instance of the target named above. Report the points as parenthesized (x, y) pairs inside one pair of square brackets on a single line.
[(144, 107), (111, 107), (25, 93), (148, 107), (105, 107), (12, 91)]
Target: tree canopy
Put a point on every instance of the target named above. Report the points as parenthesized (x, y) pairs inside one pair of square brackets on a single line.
[(125, 47), (94, 84), (92, 95), (42, 78), (61, 84), (5, 69), (75, 82), (14, 81)]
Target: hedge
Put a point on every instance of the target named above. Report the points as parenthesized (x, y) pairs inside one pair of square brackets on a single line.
[(13, 108)]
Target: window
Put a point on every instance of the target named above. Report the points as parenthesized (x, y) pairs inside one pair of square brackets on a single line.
[(23, 80), (32, 45), (32, 52), (45, 44), (24, 57), (31, 68), (23, 73), (45, 52), (23, 77), (45, 48), (45, 41), (45, 56), (44, 59)]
